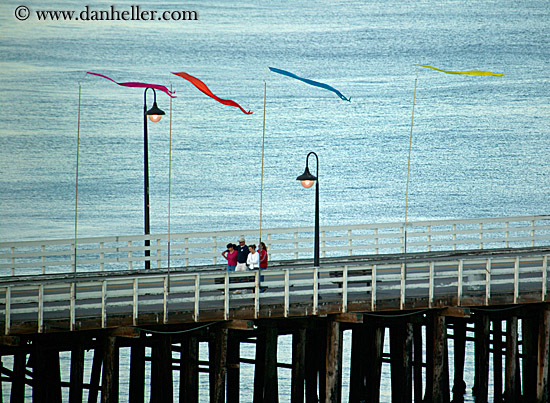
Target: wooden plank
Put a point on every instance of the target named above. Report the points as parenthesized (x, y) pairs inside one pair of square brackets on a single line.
[(298, 365), (334, 362), (530, 338)]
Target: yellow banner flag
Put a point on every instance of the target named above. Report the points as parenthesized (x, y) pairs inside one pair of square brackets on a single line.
[(469, 72)]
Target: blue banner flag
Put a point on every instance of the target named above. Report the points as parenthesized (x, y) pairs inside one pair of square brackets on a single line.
[(311, 82)]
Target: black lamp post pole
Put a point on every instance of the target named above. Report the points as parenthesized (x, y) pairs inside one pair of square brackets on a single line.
[(307, 180), (146, 179)]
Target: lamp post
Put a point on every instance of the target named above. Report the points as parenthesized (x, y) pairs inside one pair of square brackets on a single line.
[(307, 180), (154, 114)]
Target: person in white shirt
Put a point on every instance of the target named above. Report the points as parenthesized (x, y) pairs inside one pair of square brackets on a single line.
[(253, 259)]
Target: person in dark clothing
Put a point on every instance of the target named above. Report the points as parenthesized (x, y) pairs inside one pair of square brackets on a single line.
[(242, 255)]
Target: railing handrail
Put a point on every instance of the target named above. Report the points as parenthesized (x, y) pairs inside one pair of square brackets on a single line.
[(203, 248)]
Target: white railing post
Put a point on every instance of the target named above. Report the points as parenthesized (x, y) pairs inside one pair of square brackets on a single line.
[(373, 288), (460, 279), (101, 256), (214, 251), (506, 234), (197, 295), (345, 290), (8, 310), (226, 281), (516, 280), (257, 294), (315, 290), (41, 308), (376, 250), (295, 245), (159, 254), (533, 233), (429, 237), (72, 314), (287, 292), (488, 281), (323, 242), (454, 236), (544, 276), (12, 249), (130, 260), (350, 241), (403, 285), (103, 304), (135, 302), (186, 252), (431, 285), (43, 258), (402, 238), (166, 295), (480, 235)]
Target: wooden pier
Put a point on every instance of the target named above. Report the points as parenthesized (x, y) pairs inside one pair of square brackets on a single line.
[(414, 314), (316, 366)]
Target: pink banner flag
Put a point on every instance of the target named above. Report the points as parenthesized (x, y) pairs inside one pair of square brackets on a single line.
[(138, 85), (202, 87)]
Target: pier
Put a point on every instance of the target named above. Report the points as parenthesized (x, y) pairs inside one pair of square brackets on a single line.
[(481, 281)]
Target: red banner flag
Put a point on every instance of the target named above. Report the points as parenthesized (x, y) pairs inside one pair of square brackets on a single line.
[(138, 85), (202, 87)]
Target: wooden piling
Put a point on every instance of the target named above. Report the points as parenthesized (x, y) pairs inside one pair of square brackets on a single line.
[(161, 369), (233, 366), (459, 342), (298, 365), (189, 370), (334, 362), (481, 351), (18, 377), (543, 384), (137, 371), (497, 360), (217, 357), (358, 364), (401, 362), (95, 376), (373, 358), (511, 391), (77, 374), (417, 362), (439, 392), (46, 375), (109, 387)]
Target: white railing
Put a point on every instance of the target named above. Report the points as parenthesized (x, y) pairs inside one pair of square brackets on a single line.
[(107, 299), (195, 249)]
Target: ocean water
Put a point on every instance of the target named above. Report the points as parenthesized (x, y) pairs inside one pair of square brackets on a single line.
[(479, 148)]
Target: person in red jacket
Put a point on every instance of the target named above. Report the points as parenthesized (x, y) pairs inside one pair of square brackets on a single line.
[(263, 263)]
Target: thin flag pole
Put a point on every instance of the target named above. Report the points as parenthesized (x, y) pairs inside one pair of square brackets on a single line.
[(76, 187), (409, 166), (169, 186), (262, 174)]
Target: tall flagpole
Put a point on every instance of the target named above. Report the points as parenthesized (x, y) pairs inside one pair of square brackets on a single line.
[(76, 188), (409, 165), (169, 186), (262, 174)]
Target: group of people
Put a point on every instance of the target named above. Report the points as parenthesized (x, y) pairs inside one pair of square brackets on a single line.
[(242, 257)]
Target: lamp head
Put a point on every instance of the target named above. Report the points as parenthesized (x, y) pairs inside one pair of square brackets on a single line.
[(307, 179), (155, 113)]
